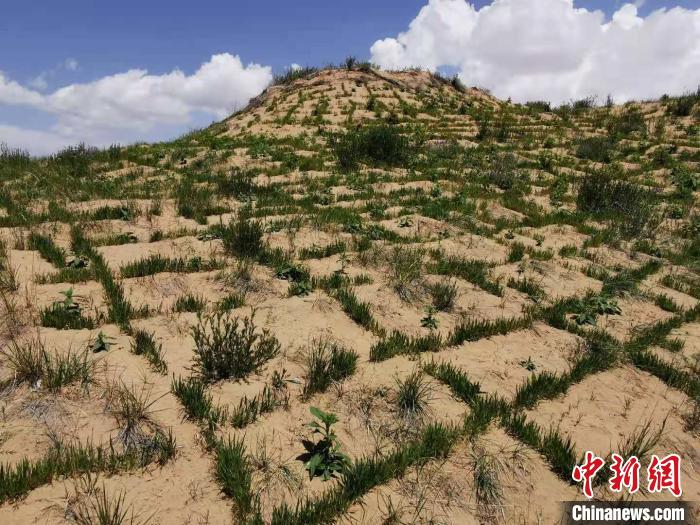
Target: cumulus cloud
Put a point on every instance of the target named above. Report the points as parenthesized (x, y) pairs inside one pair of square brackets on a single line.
[(550, 49), (130, 104)]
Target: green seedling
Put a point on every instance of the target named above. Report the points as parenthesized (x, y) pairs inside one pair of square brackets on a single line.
[(102, 343), (429, 321), (325, 456)]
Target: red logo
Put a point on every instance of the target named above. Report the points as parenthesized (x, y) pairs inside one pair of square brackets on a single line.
[(587, 472), (665, 474), (662, 474)]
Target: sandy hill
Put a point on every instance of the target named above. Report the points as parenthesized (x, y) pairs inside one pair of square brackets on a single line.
[(471, 292)]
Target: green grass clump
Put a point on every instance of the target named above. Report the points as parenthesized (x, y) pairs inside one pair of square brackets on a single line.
[(326, 362), (398, 343), (230, 347), (377, 145), (32, 363), (248, 410), (516, 252), (64, 460), (235, 475), (197, 402), (443, 294), (47, 249), (243, 237), (144, 344), (687, 382), (62, 318), (412, 394), (465, 389), (321, 252), (559, 451), (529, 287), (627, 280), (230, 302), (157, 264), (190, 303), (357, 310), (472, 329), (631, 207), (473, 270)]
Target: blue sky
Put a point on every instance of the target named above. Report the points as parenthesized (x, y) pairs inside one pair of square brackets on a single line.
[(41, 39), (159, 35)]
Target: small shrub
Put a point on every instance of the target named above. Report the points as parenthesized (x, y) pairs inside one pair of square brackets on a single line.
[(632, 207), (243, 238), (596, 149), (378, 144), (231, 348)]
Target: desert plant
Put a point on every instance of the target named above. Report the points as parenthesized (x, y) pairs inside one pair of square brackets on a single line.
[(231, 348), (249, 409), (243, 237), (406, 265), (413, 394), (443, 294), (471, 329), (144, 344), (31, 362), (102, 509), (325, 456), (597, 149), (197, 402), (64, 460), (358, 311), (230, 302), (234, 474), (378, 144), (591, 307), (516, 252), (48, 249), (429, 320), (326, 361), (488, 489), (189, 303), (473, 270), (102, 343), (132, 407), (631, 206), (398, 343)]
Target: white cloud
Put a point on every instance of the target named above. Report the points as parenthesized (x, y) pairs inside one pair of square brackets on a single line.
[(549, 49), (36, 141), (39, 82), (133, 103), (71, 64)]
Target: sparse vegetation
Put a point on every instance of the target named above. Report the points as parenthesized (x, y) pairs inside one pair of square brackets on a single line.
[(387, 220)]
